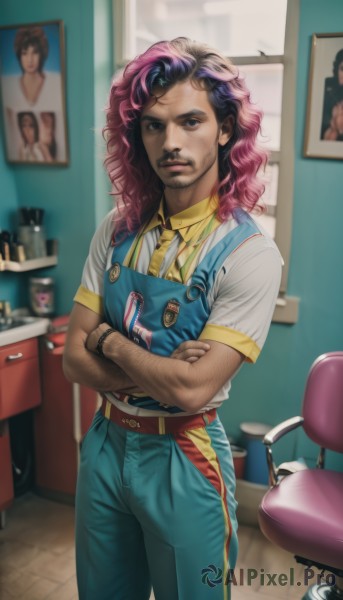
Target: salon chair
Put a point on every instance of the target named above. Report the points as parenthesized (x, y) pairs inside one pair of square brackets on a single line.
[(302, 512)]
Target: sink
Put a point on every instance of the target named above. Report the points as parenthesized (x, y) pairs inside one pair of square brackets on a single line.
[(18, 328), (10, 322)]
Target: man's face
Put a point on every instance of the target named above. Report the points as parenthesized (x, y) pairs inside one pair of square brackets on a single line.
[(181, 134)]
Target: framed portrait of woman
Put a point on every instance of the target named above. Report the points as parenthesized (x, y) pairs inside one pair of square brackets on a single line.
[(33, 93), (324, 118)]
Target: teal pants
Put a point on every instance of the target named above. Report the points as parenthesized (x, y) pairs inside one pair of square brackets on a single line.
[(155, 510)]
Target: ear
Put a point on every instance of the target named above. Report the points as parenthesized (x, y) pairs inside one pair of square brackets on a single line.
[(225, 131)]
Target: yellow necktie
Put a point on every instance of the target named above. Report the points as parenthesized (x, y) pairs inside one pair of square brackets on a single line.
[(160, 251)]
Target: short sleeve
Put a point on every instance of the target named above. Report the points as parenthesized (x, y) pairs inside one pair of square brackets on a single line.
[(244, 296), (90, 292)]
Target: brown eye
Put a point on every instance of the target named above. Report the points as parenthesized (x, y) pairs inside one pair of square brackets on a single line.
[(153, 126), (191, 123)]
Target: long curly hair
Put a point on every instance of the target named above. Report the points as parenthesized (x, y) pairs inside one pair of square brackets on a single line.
[(135, 185)]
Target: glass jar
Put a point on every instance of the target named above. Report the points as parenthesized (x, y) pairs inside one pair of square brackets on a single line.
[(42, 298), (33, 239)]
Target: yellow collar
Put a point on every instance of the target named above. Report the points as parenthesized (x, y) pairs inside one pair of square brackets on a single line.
[(184, 219)]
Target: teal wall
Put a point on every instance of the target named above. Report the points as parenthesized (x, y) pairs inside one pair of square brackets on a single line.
[(8, 203), (272, 390), (76, 198)]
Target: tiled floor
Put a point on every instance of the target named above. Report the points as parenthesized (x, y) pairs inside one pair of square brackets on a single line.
[(37, 557), (37, 551)]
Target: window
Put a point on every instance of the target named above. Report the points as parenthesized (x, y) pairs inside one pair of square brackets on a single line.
[(236, 27), (260, 36)]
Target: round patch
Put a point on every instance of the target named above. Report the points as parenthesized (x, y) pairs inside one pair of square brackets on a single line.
[(114, 273), (194, 291)]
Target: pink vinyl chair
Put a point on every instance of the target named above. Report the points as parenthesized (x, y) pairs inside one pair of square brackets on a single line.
[(302, 512)]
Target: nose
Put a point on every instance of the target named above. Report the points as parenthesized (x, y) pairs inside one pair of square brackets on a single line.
[(172, 139)]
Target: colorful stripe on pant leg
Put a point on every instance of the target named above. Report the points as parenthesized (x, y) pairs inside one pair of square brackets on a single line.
[(196, 445)]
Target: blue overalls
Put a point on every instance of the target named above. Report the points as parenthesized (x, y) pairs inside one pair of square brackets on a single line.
[(158, 509)]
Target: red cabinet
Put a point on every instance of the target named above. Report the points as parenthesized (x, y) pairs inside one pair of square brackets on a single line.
[(31, 376), (19, 391), (59, 423), (6, 478), (19, 378)]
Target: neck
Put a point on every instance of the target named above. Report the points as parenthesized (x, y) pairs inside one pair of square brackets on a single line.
[(177, 200)]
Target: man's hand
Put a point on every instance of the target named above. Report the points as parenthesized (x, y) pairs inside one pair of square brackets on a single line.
[(191, 351)]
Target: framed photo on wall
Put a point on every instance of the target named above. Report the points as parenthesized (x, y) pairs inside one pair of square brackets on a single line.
[(324, 118), (33, 93)]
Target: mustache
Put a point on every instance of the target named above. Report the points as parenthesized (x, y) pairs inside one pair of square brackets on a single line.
[(172, 157)]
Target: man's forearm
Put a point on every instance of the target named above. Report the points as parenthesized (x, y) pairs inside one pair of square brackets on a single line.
[(189, 386), (84, 367), (164, 379)]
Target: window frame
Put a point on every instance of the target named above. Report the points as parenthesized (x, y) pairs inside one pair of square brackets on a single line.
[(124, 18), (287, 307)]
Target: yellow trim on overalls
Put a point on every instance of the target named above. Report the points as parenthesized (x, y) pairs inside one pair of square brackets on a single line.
[(202, 441), (108, 409), (161, 425)]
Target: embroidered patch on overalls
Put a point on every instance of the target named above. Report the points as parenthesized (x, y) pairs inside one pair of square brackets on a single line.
[(114, 273), (135, 330), (171, 313)]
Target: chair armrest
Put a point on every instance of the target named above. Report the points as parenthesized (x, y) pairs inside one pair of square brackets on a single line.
[(273, 436), (280, 430)]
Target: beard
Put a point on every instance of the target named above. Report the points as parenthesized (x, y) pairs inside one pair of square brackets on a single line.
[(179, 184)]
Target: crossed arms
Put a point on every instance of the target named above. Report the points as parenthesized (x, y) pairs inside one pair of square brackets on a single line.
[(189, 383)]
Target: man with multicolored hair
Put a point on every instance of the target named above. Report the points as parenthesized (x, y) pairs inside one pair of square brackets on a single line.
[(178, 290)]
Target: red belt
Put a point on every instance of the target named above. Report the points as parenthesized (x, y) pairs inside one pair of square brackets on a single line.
[(156, 425)]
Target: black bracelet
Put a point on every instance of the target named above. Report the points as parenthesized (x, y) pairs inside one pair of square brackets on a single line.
[(101, 341)]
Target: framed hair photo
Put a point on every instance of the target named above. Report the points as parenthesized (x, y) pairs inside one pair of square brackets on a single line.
[(324, 117), (33, 93)]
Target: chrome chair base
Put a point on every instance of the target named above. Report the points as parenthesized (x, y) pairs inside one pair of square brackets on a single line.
[(323, 592)]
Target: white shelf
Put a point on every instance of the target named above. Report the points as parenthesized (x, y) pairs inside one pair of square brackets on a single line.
[(28, 265)]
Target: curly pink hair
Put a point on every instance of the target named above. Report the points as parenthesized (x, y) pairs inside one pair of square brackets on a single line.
[(135, 184)]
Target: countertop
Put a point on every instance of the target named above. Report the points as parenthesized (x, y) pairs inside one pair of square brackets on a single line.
[(35, 327)]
